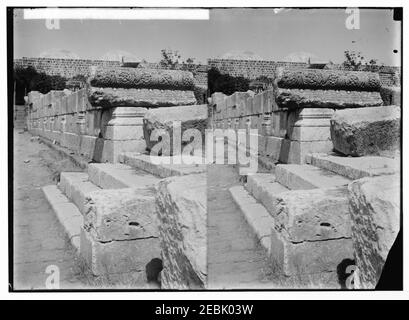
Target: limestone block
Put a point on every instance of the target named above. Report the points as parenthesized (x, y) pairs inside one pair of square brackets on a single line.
[(306, 98), (130, 132), (190, 117), (249, 106), (82, 100), (268, 98), (375, 212), (327, 79), (356, 167), (143, 78), (217, 98), (296, 151), (72, 101), (391, 96), (181, 208), (120, 214), (87, 146), (312, 231), (258, 104), (64, 105), (109, 150), (126, 258), (273, 147), (71, 141), (366, 131), (114, 97)]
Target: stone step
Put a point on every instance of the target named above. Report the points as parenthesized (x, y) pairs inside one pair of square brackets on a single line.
[(162, 167), (67, 213), (305, 176), (118, 175), (355, 167), (263, 187), (256, 215), (76, 186), (305, 232)]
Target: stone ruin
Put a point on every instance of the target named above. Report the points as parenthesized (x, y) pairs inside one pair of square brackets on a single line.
[(109, 211), (319, 207), (105, 119)]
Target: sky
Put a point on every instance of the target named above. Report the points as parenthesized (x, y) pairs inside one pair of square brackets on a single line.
[(321, 32)]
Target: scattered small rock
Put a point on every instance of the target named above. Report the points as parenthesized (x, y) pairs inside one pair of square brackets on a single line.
[(26, 161)]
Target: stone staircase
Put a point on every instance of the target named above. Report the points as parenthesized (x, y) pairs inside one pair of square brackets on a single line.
[(98, 210), (300, 214), (110, 203)]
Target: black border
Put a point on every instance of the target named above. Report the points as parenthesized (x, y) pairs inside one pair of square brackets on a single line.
[(398, 245)]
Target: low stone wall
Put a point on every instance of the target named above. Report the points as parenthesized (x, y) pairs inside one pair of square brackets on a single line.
[(67, 118), (253, 69), (293, 117), (102, 122)]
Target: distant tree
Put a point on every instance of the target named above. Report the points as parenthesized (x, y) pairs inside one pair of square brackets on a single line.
[(23, 81), (171, 59), (45, 83), (356, 61), (225, 83), (79, 77), (190, 60)]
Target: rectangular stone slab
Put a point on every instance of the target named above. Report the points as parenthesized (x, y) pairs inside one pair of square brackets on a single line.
[(296, 176), (306, 98), (152, 98), (367, 131), (120, 214), (181, 207), (355, 168), (312, 215)]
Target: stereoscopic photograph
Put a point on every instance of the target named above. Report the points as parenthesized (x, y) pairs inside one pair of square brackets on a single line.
[(205, 148)]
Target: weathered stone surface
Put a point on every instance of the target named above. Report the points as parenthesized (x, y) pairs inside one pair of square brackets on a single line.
[(120, 214), (181, 208), (304, 176), (164, 166), (375, 212), (312, 230), (191, 117), (312, 215), (306, 98), (391, 96), (143, 78), (328, 79), (116, 260), (153, 98), (355, 168), (366, 131)]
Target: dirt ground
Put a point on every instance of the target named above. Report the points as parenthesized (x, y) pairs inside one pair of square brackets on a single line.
[(235, 258), (39, 239)]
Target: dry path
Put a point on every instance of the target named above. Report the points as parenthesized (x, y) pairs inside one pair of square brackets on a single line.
[(235, 259), (39, 239)]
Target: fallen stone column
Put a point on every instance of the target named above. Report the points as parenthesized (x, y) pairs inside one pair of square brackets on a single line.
[(375, 212), (366, 131), (138, 78), (181, 210), (302, 93), (149, 98), (328, 79)]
